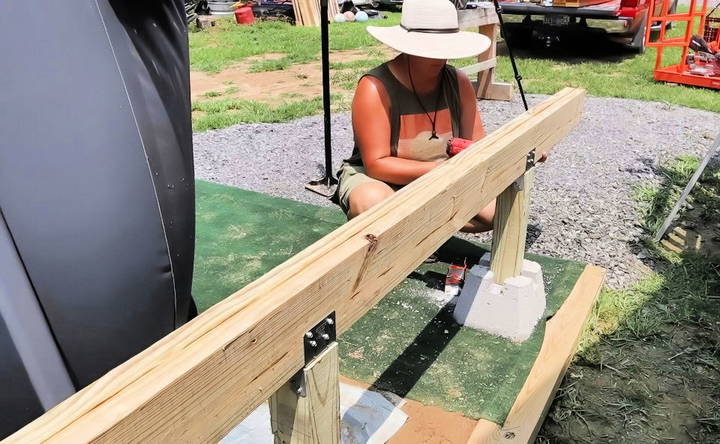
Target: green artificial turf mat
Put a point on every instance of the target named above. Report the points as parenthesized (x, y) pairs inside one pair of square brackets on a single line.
[(242, 235), (408, 344)]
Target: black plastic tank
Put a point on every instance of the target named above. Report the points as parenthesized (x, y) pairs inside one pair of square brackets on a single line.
[(96, 192)]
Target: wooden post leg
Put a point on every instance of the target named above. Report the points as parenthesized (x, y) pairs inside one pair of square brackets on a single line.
[(487, 88), (315, 417), (510, 229)]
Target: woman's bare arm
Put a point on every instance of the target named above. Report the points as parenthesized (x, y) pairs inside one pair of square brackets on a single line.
[(471, 124)]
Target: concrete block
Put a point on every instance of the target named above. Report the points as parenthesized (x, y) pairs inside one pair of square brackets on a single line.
[(510, 310)]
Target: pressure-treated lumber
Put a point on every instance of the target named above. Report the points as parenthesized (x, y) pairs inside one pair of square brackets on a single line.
[(561, 336), (510, 229), (481, 66), (195, 384), (473, 18), (307, 12), (315, 417)]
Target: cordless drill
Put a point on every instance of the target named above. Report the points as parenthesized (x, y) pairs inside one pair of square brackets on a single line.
[(456, 144)]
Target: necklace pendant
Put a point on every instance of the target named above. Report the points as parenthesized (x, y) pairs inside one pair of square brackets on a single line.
[(433, 136)]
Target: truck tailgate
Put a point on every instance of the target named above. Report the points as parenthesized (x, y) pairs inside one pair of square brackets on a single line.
[(604, 10)]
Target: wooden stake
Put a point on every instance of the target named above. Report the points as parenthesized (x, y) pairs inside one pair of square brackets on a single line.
[(510, 228), (315, 417), (487, 87)]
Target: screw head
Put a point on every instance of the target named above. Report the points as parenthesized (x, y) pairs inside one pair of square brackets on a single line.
[(309, 335), (312, 343), (329, 321), (325, 336)]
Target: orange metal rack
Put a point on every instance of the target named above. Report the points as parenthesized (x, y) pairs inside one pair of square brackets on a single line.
[(681, 72)]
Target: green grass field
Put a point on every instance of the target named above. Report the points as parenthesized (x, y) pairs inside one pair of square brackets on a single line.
[(604, 68)]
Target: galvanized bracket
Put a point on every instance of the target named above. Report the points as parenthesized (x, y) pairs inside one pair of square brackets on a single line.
[(519, 184), (315, 341)]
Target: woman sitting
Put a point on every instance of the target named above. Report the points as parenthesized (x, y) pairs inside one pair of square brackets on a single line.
[(406, 110)]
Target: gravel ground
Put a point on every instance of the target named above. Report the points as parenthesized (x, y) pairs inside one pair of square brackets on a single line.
[(582, 207)]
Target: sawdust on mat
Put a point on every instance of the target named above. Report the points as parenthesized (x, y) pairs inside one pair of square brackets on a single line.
[(297, 81)]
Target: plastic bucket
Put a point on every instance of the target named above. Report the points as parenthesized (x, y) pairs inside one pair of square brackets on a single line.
[(244, 15)]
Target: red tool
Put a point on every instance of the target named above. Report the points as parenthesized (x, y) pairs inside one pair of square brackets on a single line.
[(702, 66), (454, 279), (456, 144)]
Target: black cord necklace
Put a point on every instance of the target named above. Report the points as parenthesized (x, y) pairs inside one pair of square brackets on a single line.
[(432, 119)]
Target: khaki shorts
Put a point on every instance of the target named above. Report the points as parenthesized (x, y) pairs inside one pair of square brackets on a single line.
[(349, 177)]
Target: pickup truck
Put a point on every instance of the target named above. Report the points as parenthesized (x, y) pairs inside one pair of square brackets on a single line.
[(622, 21)]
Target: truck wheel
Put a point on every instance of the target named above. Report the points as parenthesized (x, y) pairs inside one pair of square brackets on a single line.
[(672, 10), (637, 44)]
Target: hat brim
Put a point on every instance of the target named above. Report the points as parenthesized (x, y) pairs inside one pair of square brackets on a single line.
[(431, 45)]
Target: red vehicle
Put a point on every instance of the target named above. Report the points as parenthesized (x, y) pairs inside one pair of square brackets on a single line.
[(622, 21)]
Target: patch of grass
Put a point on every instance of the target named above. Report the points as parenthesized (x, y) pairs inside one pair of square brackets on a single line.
[(649, 360), (225, 44), (596, 64), (211, 94), (656, 201), (366, 64), (270, 65), (227, 112), (231, 90), (347, 79)]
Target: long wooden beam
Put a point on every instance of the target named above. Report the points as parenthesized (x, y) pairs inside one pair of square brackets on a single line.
[(195, 384)]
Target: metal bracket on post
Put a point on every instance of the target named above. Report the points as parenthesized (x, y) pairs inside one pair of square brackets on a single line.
[(307, 409), (315, 341), (519, 184)]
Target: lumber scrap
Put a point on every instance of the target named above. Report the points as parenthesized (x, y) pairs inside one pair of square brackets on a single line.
[(481, 66), (195, 384), (485, 20), (307, 12), (474, 18), (561, 337)]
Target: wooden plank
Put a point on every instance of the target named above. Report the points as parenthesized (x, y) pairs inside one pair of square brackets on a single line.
[(477, 67), (314, 418), (510, 229), (487, 88), (199, 381), (473, 18), (561, 337), (497, 91)]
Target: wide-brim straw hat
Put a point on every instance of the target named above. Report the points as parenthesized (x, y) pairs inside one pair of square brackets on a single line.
[(429, 28)]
